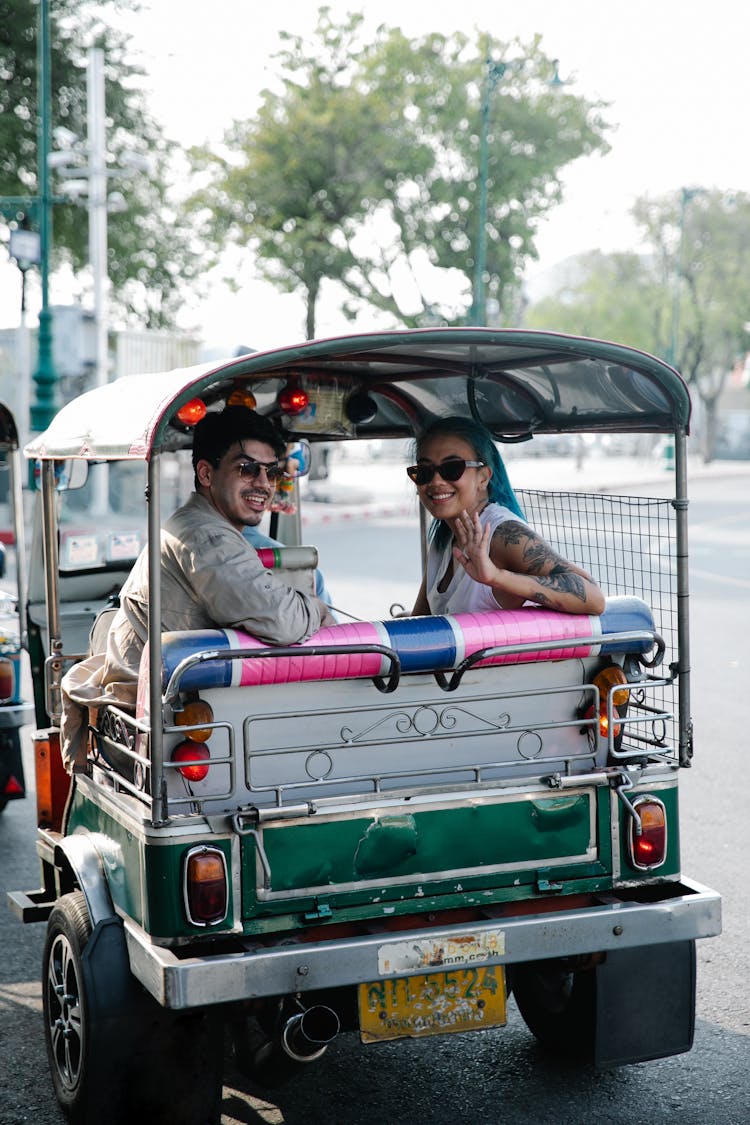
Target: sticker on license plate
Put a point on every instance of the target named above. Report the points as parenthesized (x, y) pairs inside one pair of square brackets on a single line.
[(434, 1004)]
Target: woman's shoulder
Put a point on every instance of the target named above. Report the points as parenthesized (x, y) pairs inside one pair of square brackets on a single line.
[(494, 514)]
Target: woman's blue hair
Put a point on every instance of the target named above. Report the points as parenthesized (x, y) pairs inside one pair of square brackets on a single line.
[(499, 489)]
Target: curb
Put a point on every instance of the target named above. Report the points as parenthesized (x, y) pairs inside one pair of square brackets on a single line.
[(343, 514)]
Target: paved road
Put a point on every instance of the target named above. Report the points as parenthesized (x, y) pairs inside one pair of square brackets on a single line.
[(501, 1077)]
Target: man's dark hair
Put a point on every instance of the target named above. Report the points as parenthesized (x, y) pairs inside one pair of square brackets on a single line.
[(219, 430)]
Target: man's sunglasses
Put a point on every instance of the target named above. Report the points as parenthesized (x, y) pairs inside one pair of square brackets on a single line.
[(250, 469), (451, 470)]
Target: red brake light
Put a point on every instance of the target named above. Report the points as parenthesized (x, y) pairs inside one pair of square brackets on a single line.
[(292, 399), (194, 754), (648, 849), (13, 787), (206, 891), (6, 680), (192, 412)]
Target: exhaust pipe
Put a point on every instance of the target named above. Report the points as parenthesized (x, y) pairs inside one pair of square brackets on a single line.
[(306, 1035), (303, 1039)]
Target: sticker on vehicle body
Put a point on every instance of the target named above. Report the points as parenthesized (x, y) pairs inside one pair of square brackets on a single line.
[(399, 957)]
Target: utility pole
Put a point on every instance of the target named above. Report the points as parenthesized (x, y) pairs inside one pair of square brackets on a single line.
[(97, 206), (686, 196), (493, 75), (47, 401)]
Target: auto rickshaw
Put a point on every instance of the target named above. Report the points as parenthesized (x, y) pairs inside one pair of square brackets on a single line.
[(400, 826)]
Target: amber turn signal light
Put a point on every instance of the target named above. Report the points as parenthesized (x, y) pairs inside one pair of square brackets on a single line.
[(195, 712)]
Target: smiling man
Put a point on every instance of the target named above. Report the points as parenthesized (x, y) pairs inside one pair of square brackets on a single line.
[(210, 575)]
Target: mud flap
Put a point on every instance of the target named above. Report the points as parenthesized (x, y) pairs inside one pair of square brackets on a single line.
[(645, 1004)]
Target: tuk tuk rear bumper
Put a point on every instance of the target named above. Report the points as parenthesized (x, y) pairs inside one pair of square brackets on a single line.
[(181, 979)]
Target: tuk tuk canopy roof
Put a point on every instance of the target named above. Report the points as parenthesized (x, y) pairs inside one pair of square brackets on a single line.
[(389, 385)]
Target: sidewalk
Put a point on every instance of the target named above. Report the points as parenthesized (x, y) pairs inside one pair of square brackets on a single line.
[(380, 489)]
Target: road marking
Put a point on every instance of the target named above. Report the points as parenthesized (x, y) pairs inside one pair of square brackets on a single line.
[(743, 583)]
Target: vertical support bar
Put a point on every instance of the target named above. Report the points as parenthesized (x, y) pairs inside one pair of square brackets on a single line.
[(156, 735), (683, 619), (14, 462), (51, 579), (423, 544)]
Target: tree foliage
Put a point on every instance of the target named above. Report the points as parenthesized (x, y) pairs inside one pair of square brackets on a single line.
[(150, 250), (361, 168), (684, 297)]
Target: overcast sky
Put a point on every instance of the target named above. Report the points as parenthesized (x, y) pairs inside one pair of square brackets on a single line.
[(675, 73)]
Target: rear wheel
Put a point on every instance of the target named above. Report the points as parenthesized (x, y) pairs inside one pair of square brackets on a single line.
[(558, 1005), (115, 1055)]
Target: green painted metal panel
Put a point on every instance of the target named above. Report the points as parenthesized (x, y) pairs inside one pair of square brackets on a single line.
[(328, 853)]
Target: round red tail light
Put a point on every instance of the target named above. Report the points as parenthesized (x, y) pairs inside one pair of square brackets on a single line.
[(195, 755)]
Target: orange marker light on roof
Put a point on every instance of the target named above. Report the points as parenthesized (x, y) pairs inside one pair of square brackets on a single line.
[(192, 412), (242, 397)]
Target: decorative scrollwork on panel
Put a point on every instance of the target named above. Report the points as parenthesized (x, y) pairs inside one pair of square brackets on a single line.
[(425, 721), (112, 727), (659, 732)]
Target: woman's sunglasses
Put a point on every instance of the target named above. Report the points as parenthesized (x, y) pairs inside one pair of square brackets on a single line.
[(451, 470), (250, 469)]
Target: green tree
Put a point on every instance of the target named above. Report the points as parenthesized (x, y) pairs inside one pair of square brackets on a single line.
[(361, 168), (150, 250), (685, 297), (613, 296)]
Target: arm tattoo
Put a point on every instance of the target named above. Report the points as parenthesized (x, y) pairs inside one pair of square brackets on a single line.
[(564, 581), (544, 564)]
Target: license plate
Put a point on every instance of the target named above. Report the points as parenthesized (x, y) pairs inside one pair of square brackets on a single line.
[(434, 1004)]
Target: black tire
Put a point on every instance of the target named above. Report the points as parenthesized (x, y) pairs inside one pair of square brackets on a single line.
[(114, 1054), (558, 1005), (3, 803), (70, 1038)]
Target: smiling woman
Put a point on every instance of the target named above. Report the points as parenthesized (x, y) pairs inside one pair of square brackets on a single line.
[(482, 552)]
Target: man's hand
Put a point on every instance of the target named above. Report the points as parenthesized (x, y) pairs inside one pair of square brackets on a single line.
[(326, 617)]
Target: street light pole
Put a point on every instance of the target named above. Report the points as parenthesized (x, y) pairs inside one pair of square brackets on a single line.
[(47, 400), (493, 75), (97, 206), (686, 195)]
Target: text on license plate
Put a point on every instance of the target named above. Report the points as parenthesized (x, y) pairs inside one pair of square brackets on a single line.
[(458, 1000)]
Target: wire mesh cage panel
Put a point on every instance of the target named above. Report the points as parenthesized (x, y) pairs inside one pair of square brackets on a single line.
[(629, 545)]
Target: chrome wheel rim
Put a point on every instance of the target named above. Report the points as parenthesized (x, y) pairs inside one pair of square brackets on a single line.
[(64, 1012)]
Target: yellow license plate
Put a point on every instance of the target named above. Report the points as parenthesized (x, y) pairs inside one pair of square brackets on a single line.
[(460, 1000)]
